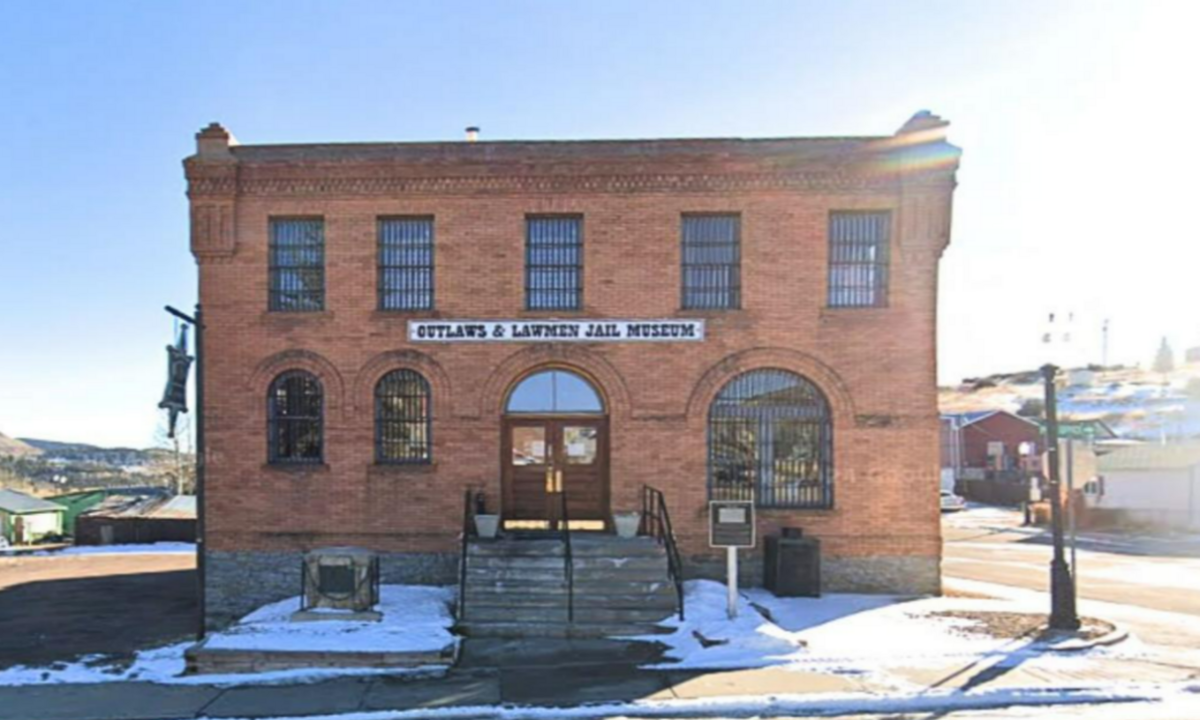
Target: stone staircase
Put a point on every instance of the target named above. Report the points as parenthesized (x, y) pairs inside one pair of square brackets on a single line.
[(518, 587)]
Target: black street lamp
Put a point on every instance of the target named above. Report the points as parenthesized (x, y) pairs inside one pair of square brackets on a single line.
[(1062, 585)]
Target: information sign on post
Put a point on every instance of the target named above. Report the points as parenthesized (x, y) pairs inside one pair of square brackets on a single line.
[(731, 526)]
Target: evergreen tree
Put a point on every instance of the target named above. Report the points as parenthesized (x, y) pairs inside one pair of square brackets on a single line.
[(1164, 361)]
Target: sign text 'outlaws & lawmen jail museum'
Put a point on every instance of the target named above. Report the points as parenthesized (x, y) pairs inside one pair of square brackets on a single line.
[(555, 330)]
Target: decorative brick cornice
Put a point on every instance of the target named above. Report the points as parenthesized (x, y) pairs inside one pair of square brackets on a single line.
[(224, 183)]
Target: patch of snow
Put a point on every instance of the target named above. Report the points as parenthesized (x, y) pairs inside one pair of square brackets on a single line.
[(147, 548), (415, 619)]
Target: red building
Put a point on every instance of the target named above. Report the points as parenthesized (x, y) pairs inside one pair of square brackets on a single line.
[(390, 324)]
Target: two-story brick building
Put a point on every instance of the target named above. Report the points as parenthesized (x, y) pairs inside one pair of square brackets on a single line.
[(389, 324)]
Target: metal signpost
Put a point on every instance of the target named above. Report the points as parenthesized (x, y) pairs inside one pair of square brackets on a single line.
[(731, 526)]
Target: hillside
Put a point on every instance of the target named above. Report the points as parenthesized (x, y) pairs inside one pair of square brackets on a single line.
[(11, 447), (1135, 403)]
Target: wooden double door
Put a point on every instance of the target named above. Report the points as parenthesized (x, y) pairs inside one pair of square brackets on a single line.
[(546, 457)]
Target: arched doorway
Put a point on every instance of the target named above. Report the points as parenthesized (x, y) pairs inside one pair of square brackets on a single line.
[(555, 443)]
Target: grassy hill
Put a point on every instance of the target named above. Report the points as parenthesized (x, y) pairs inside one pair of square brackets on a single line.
[(12, 447)]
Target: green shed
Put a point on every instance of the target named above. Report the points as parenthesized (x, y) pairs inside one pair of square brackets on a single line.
[(25, 519)]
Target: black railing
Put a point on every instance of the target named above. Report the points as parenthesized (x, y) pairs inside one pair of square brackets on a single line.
[(468, 527), (568, 558), (656, 523)]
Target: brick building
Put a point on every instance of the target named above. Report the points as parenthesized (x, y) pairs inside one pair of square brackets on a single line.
[(390, 324)]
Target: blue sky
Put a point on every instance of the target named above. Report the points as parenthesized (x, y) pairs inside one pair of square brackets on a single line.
[(1078, 122)]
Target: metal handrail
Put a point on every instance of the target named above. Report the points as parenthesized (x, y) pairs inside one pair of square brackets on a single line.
[(468, 526), (568, 558), (656, 523)]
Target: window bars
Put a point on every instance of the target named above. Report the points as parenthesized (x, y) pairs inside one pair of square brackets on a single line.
[(294, 419), (770, 440), (296, 265), (405, 263), (403, 418), (712, 260), (554, 263), (859, 258)]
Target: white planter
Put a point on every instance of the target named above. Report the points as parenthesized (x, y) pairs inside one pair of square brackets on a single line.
[(626, 523), (487, 525)]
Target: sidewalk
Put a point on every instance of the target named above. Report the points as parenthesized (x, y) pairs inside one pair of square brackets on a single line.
[(546, 674)]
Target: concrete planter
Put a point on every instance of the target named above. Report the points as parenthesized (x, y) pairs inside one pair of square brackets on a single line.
[(626, 523), (487, 525)]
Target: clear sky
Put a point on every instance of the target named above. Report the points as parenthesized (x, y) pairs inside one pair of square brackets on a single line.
[(1078, 121)]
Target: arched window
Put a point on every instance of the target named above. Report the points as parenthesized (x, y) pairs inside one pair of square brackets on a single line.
[(770, 439), (555, 392), (402, 418), (295, 412)]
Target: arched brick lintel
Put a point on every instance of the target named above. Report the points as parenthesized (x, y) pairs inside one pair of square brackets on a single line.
[(332, 385), (841, 404), (599, 371), (363, 396)]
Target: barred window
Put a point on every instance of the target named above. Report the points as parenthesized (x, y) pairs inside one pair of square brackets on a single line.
[(712, 260), (297, 265), (858, 258), (406, 263), (295, 418), (770, 440), (403, 418), (554, 263)]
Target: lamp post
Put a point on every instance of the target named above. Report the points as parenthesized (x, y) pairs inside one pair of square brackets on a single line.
[(1062, 585), (197, 321)]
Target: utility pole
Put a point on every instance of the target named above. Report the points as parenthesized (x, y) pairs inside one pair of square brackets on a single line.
[(1104, 354), (1062, 584)]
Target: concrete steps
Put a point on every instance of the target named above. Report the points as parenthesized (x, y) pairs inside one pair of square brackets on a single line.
[(518, 588)]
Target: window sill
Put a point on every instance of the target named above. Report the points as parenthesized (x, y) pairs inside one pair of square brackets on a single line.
[(789, 510), (710, 312), (378, 314), (855, 313), (289, 317), (297, 468), (385, 469)]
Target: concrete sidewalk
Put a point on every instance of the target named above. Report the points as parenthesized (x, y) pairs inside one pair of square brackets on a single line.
[(541, 673)]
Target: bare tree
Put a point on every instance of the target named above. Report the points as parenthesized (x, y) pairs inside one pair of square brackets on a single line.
[(179, 466)]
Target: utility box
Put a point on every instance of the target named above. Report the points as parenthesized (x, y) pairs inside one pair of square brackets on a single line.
[(793, 564)]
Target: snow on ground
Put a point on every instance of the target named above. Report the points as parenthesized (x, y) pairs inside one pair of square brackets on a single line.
[(415, 618), (849, 634), (148, 548)]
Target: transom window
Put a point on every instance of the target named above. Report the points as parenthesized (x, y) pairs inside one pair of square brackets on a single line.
[(295, 418), (858, 258), (406, 263), (554, 263), (770, 440), (403, 418), (712, 262), (554, 391), (296, 265)]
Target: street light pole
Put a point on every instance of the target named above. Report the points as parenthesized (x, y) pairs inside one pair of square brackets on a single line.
[(1062, 585), (197, 321)]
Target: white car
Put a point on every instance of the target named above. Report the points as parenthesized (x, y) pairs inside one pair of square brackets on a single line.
[(952, 502)]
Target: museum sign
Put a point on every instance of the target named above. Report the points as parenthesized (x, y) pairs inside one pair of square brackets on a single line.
[(555, 330)]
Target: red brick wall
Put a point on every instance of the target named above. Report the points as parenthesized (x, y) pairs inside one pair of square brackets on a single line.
[(877, 366), (1003, 428)]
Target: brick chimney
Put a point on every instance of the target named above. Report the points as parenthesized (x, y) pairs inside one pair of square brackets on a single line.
[(212, 143)]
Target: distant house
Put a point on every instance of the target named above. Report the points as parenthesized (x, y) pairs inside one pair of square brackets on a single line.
[(25, 519), (1155, 485), (991, 441), (125, 520)]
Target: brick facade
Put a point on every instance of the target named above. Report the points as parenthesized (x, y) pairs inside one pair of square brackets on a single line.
[(876, 366)]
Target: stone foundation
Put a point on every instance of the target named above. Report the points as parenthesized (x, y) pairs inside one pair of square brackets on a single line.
[(883, 574), (240, 582)]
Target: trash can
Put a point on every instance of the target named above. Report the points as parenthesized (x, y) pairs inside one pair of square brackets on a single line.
[(793, 564)]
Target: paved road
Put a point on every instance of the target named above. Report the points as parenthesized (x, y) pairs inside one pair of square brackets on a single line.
[(60, 607), (989, 545)]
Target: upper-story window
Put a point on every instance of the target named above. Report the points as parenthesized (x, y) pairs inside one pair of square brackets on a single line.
[(554, 262), (712, 260), (406, 263), (297, 265), (858, 258)]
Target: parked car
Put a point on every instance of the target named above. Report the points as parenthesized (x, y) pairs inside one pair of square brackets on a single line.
[(952, 502)]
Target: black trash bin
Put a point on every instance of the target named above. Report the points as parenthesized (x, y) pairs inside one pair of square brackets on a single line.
[(793, 564)]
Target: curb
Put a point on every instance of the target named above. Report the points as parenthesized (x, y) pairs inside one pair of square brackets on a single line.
[(1119, 634)]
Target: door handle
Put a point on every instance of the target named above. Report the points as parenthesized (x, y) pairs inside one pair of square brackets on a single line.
[(558, 480)]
